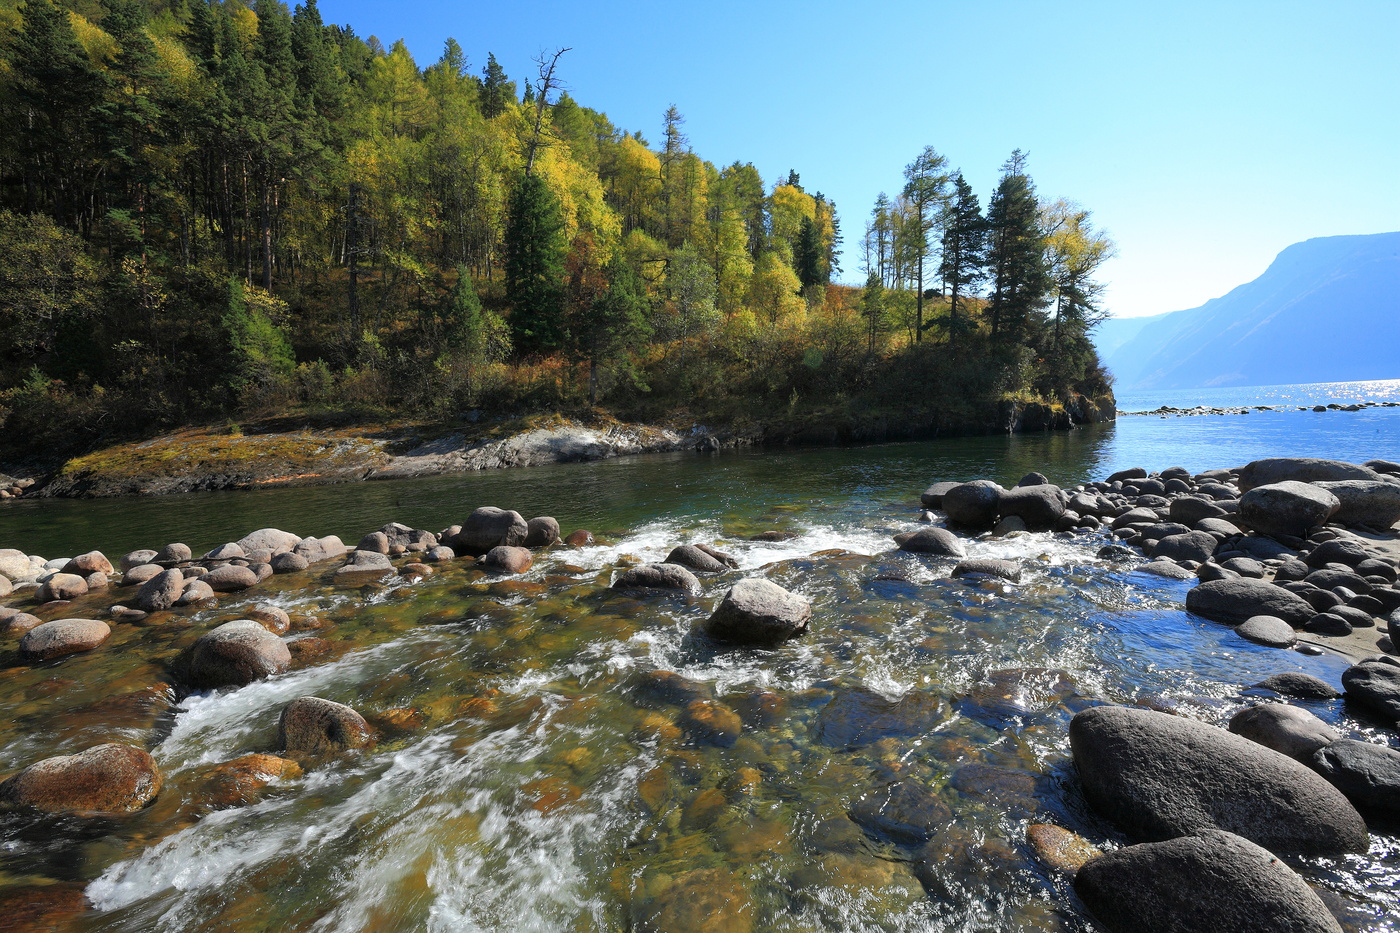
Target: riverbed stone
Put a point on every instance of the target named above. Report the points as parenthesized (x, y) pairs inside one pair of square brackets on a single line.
[(858, 716), (1038, 506), (1297, 684), (438, 554), (579, 538), (14, 564), (160, 592), (1166, 568), (1287, 508), (1268, 630), (1346, 551), (61, 637), (903, 811), (234, 654), (1369, 503), (756, 611), (1368, 774), (195, 591), (711, 723), (1209, 882), (313, 726), (289, 562), (273, 618), (272, 539), (140, 574), (973, 504), (360, 563), (1193, 545), (489, 527), (1299, 469), (932, 497), (230, 578), (1288, 730), (133, 559), (109, 778), (658, 577), (504, 559), (691, 557), (91, 562), (62, 586), (1159, 776), (541, 531), (229, 551), (175, 553), (376, 542), (242, 781), (1374, 684), (988, 567), (1328, 623), (1234, 601), (15, 623), (1059, 848), (6, 587), (937, 541)]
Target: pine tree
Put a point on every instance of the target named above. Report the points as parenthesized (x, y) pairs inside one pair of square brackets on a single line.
[(925, 191), (808, 260), (872, 308), (1016, 256), (534, 266), (964, 251), (496, 89)]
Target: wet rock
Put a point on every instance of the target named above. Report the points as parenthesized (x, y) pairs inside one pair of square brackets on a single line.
[(415, 571), (541, 532), (1288, 730), (1287, 508), (658, 577), (108, 778), (1366, 503), (932, 497), (490, 527), (1038, 506), (1158, 776), (243, 780), (937, 541), (973, 504), (1116, 552), (579, 538), (691, 557), (1368, 774), (1009, 524), (710, 723), (365, 563), (91, 562), (313, 726), (1299, 469), (506, 560), (234, 654), (62, 586), (989, 567), (706, 900), (773, 536), (903, 811), (140, 574), (228, 551), (1374, 684), (273, 618), (1193, 545), (1211, 882), (160, 592), (728, 560), (1166, 568), (1060, 849), (759, 612), (668, 687), (1268, 630), (1238, 600), (195, 591), (230, 578), (858, 717), (14, 623), (173, 554), (61, 637), (1297, 684), (289, 562)]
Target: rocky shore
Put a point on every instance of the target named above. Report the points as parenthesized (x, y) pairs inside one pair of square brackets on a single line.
[(1168, 411)]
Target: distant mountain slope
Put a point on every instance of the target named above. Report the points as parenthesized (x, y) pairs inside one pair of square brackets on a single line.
[(1326, 310)]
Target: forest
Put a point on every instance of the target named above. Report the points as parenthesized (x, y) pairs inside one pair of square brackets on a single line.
[(214, 213)]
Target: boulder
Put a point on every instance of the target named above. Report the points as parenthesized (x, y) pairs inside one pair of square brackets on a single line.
[(315, 550), (1287, 508), (541, 532), (1059, 848), (489, 527), (94, 562), (440, 553), (580, 538), (1368, 774), (1194, 545), (903, 811), (1237, 600), (932, 497), (14, 564), (1300, 470), (937, 541), (759, 612), (376, 542), (1288, 730), (173, 554), (1375, 684), (1297, 684), (505, 559), (6, 587), (230, 578), (727, 559), (160, 592), (289, 562), (1159, 776), (690, 556), (1038, 506), (1337, 551), (1190, 509), (228, 551), (62, 586), (1130, 473), (234, 654), (989, 567), (1166, 568), (313, 726), (973, 504), (62, 636), (195, 591), (140, 574), (1372, 503), (1268, 630), (273, 618), (1009, 524), (1211, 882), (658, 577), (134, 559), (365, 562), (15, 623), (108, 778), (273, 539)]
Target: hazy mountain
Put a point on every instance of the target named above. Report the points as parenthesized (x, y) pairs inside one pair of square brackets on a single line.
[(1326, 310)]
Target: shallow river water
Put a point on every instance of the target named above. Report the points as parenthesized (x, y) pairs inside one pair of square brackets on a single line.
[(532, 773)]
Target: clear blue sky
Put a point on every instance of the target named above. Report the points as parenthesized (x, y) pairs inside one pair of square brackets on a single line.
[(1204, 136)]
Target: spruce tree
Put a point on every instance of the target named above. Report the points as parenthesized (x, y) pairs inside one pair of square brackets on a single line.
[(496, 89), (1016, 256), (614, 327), (964, 251), (807, 257), (925, 191), (534, 266)]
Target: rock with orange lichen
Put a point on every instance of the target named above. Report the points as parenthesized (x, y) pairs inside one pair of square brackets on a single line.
[(711, 723), (109, 778), (243, 780), (1060, 848)]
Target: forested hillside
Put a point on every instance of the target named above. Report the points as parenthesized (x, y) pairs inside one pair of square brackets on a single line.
[(212, 211)]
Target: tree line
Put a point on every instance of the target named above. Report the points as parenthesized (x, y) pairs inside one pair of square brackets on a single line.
[(215, 210)]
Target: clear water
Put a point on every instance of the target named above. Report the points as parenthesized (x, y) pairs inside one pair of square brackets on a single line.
[(1308, 394)]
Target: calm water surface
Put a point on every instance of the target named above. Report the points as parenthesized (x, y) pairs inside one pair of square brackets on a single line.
[(526, 778)]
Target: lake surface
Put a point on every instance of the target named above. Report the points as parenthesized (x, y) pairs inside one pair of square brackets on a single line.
[(530, 774)]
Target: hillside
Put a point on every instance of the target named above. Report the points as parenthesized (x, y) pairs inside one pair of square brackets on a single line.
[(1324, 311)]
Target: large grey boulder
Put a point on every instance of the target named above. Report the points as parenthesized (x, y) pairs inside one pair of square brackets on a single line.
[(1287, 508), (490, 527), (62, 636), (230, 578), (691, 557), (1288, 730), (1236, 600), (1038, 506), (1337, 551), (1368, 774), (1194, 545), (932, 540), (160, 592), (658, 577), (1210, 882), (1158, 776), (62, 586), (271, 539), (932, 497), (1300, 470), (759, 612), (1375, 684), (973, 504), (234, 654), (1373, 503)]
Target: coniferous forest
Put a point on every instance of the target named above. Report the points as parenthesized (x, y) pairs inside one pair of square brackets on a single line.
[(212, 212)]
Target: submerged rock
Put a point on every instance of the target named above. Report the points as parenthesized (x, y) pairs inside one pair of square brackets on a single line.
[(759, 612), (108, 778), (658, 577), (938, 541), (1288, 730), (1059, 848), (234, 654), (903, 811)]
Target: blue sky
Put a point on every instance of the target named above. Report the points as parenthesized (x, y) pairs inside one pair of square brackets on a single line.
[(1204, 136)]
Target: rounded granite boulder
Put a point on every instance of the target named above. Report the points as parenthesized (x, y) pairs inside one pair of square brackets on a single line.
[(759, 612), (108, 778)]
